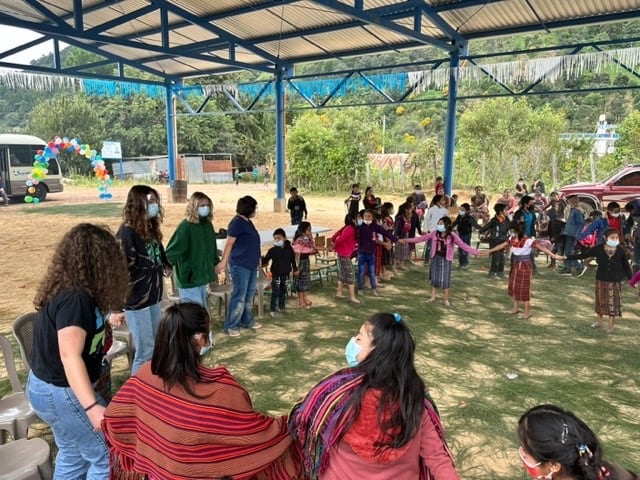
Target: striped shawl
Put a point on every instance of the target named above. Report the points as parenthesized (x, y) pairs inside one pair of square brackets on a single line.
[(318, 423), (172, 435)]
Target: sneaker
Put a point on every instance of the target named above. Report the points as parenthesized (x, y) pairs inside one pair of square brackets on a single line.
[(375, 292), (256, 325), (233, 332), (583, 271), (501, 275), (565, 274), (596, 325), (273, 314)]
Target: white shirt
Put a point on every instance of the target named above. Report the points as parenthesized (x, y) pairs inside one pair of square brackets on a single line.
[(434, 214)]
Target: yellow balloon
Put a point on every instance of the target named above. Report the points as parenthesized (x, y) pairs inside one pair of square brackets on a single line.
[(31, 190)]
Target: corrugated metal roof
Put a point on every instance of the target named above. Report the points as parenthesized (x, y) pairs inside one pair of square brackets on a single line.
[(205, 35)]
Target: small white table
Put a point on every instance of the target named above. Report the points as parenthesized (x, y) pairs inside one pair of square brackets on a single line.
[(266, 236)]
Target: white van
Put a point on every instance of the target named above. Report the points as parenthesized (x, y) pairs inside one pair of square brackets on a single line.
[(17, 154)]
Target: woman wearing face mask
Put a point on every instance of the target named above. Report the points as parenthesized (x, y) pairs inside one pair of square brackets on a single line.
[(367, 234), (141, 241), (521, 267), (441, 242), (374, 420), (613, 268), (193, 252), (557, 445), (242, 254), (177, 419), (344, 243)]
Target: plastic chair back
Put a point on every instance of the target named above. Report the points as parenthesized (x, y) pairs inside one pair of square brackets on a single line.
[(23, 332)]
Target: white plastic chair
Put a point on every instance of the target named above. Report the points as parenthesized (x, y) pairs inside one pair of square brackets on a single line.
[(16, 413), (25, 460)]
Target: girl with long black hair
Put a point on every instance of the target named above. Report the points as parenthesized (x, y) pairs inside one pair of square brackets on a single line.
[(374, 420)]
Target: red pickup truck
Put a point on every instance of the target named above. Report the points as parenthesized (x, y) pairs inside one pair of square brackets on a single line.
[(622, 187)]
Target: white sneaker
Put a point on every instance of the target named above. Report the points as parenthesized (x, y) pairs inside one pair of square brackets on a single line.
[(584, 270), (256, 325)]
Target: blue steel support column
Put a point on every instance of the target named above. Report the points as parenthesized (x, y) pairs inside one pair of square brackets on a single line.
[(280, 134), (171, 131), (450, 137)]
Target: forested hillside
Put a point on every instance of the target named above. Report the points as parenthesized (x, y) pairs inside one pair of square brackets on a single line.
[(498, 139)]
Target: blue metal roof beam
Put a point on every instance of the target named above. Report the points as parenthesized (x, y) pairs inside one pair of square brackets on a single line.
[(443, 25), (78, 18), (220, 32), (44, 11), (54, 33), (80, 68), (122, 19), (359, 13), (21, 48), (66, 33)]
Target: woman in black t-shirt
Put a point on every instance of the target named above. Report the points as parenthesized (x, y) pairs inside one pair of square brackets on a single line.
[(86, 280)]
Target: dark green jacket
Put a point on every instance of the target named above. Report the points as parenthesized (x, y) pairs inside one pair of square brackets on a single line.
[(193, 253)]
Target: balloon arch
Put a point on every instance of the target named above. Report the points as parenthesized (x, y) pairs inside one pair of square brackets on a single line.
[(74, 146)]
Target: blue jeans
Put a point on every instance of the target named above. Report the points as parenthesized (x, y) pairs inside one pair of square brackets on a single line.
[(240, 311), (569, 245), (463, 257), (143, 325), (82, 452), (195, 294), (366, 260)]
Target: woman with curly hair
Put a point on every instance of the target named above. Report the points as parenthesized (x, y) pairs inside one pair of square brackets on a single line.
[(141, 241), (193, 252), (555, 444), (86, 279)]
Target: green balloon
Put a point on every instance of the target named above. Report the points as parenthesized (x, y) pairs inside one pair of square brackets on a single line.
[(28, 199)]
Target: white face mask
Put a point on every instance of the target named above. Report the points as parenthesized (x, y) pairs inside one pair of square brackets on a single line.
[(207, 348), (615, 215), (367, 222)]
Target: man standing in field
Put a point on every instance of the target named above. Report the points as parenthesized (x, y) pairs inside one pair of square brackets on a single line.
[(3, 193)]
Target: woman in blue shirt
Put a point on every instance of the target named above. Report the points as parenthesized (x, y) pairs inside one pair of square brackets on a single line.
[(242, 254)]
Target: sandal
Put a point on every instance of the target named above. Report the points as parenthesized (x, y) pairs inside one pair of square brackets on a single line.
[(522, 316)]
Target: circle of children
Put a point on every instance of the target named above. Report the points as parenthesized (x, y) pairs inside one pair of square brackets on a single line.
[(206, 413)]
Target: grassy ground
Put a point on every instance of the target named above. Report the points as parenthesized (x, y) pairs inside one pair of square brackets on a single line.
[(464, 352)]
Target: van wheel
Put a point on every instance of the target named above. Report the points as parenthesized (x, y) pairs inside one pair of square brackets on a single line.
[(41, 192), (586, 207)]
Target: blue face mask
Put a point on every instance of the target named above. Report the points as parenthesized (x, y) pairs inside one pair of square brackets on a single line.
[(204, 212), (207, 348), (279, 243), (441, 228), (360, 222), (613, 243), (462, 213), (351, 352), (153, 209)]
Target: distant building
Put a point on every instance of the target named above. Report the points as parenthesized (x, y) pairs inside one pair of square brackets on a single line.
[(604, 138)]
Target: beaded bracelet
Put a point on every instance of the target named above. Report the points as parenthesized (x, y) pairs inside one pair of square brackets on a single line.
[(91, 406)]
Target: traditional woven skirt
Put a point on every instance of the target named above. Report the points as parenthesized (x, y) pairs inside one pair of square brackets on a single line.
[(520, 278), (345, 270), (402, 252), (379, 249), (304, 276), (440, 272), (608, 298)]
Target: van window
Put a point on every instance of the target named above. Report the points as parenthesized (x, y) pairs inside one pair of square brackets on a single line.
[(22, 155), (54, 167)]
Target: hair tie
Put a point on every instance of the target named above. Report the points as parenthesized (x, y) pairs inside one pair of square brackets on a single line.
[(584, 450), (397, 317)]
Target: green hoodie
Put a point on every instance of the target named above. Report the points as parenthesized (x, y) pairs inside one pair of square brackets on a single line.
[(193, 252)]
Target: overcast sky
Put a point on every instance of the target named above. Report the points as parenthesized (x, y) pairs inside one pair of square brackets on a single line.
[(13, 37)]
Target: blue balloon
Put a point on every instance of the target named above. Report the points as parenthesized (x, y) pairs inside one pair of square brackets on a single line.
[(109, 195)]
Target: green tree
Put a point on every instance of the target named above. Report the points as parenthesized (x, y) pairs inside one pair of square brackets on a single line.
[(72, 116), (628, 145)]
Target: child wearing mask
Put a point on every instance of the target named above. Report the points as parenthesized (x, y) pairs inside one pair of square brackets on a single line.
[(367, 234), (613, 267), (611, 219), (464, 223), (283, 262), (303, 246), (442, 241)]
